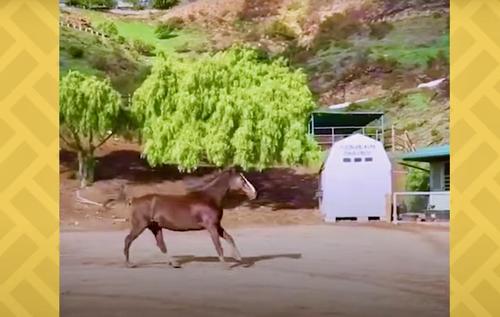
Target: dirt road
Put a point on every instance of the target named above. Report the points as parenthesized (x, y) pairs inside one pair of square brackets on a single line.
[(336, 270)]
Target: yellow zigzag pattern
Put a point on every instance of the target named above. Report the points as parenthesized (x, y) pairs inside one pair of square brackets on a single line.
[(29, 182), (475, 123)]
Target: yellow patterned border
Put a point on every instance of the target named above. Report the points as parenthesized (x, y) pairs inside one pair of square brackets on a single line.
[(29, 239), (475, 124), (29, 182)]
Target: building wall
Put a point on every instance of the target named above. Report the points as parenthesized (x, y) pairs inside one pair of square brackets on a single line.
[(437, 183)]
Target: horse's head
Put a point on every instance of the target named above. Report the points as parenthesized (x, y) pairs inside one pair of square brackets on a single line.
[(239, 182)]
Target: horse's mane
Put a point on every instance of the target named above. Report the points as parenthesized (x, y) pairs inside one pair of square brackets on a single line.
[(201, 183)]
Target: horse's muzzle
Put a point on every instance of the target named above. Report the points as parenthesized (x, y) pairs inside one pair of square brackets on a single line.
[(252, 195)]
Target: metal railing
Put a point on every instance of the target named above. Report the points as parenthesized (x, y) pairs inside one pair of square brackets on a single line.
[(330, 135), (427, 206)]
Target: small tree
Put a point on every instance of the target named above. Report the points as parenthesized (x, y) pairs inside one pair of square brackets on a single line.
[(231, 108), (417, 180), (90, 113), (89, 4), (164, 4)]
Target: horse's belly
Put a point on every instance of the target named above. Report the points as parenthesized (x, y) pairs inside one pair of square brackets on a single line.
[(180, 224)]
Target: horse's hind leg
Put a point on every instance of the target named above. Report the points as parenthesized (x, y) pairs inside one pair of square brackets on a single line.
[(138, 227), (160, 242), (226, 236)]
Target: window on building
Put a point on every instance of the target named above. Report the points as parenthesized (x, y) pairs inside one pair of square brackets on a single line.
[(447, 176), (346, 160), (368, 159), (357, 159)]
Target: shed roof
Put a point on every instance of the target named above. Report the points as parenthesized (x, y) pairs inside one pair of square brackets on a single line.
[(428, 154), (336, 118)]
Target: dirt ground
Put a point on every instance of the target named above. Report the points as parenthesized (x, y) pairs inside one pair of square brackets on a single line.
[(315, 270), (295, 265)]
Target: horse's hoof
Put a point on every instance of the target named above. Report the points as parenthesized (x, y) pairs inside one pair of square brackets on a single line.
[(175, 265), (130, 265), (227, 266)]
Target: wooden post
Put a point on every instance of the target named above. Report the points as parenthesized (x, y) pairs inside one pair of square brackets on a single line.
[(388, 208), (394, 209)]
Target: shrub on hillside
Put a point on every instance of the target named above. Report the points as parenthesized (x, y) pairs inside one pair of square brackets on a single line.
[(337, 27), (90, 4), (279, 29), (175, 22), (387, 64), (164, 31), (164, 4), (379, 30), (438, 65), (121, 39), (100, 62), (183, 48), (108, 27), (143, 48), (75, 51), (440, 60)]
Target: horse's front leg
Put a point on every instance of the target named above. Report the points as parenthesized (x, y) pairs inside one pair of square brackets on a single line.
[(226, 236), (214, 234)]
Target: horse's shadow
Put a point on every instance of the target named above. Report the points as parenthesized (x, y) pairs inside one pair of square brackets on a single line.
[(245, 262)]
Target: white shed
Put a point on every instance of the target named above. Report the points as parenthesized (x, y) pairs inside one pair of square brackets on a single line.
[(355, 179)]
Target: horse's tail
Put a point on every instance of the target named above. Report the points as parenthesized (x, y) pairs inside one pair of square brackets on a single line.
[(122, 197)]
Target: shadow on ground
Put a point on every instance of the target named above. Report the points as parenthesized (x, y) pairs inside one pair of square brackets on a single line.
[(246, 261)]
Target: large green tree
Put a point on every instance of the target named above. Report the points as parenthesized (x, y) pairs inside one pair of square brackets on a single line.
[(230, 108), (90, 113)]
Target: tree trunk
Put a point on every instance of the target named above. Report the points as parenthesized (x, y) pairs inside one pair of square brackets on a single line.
[(86, 168)]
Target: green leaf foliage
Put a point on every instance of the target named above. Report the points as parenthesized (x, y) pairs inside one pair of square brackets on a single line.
[(164, 4), (417, 180), (89, 109), (88, 106), (90, 4), (229, 108)]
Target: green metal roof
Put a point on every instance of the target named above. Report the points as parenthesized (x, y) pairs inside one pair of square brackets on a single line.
[(428, 154), (336, 118)]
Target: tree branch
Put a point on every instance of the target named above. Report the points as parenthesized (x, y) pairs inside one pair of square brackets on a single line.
[(91, 145), (68, 143), (105, 139), (80, 199), (77, 140)]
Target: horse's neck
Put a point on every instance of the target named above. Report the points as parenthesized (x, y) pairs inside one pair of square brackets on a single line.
[(218, 188)]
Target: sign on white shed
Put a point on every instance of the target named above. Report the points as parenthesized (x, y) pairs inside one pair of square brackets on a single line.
[(355, 179)]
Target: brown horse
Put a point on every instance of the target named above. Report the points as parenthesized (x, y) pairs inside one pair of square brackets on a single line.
[(200, 209)]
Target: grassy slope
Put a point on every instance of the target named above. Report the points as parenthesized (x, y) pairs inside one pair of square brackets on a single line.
[(126, 68), (101, 58), (422, 113), (412, 43), (142, 30)]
